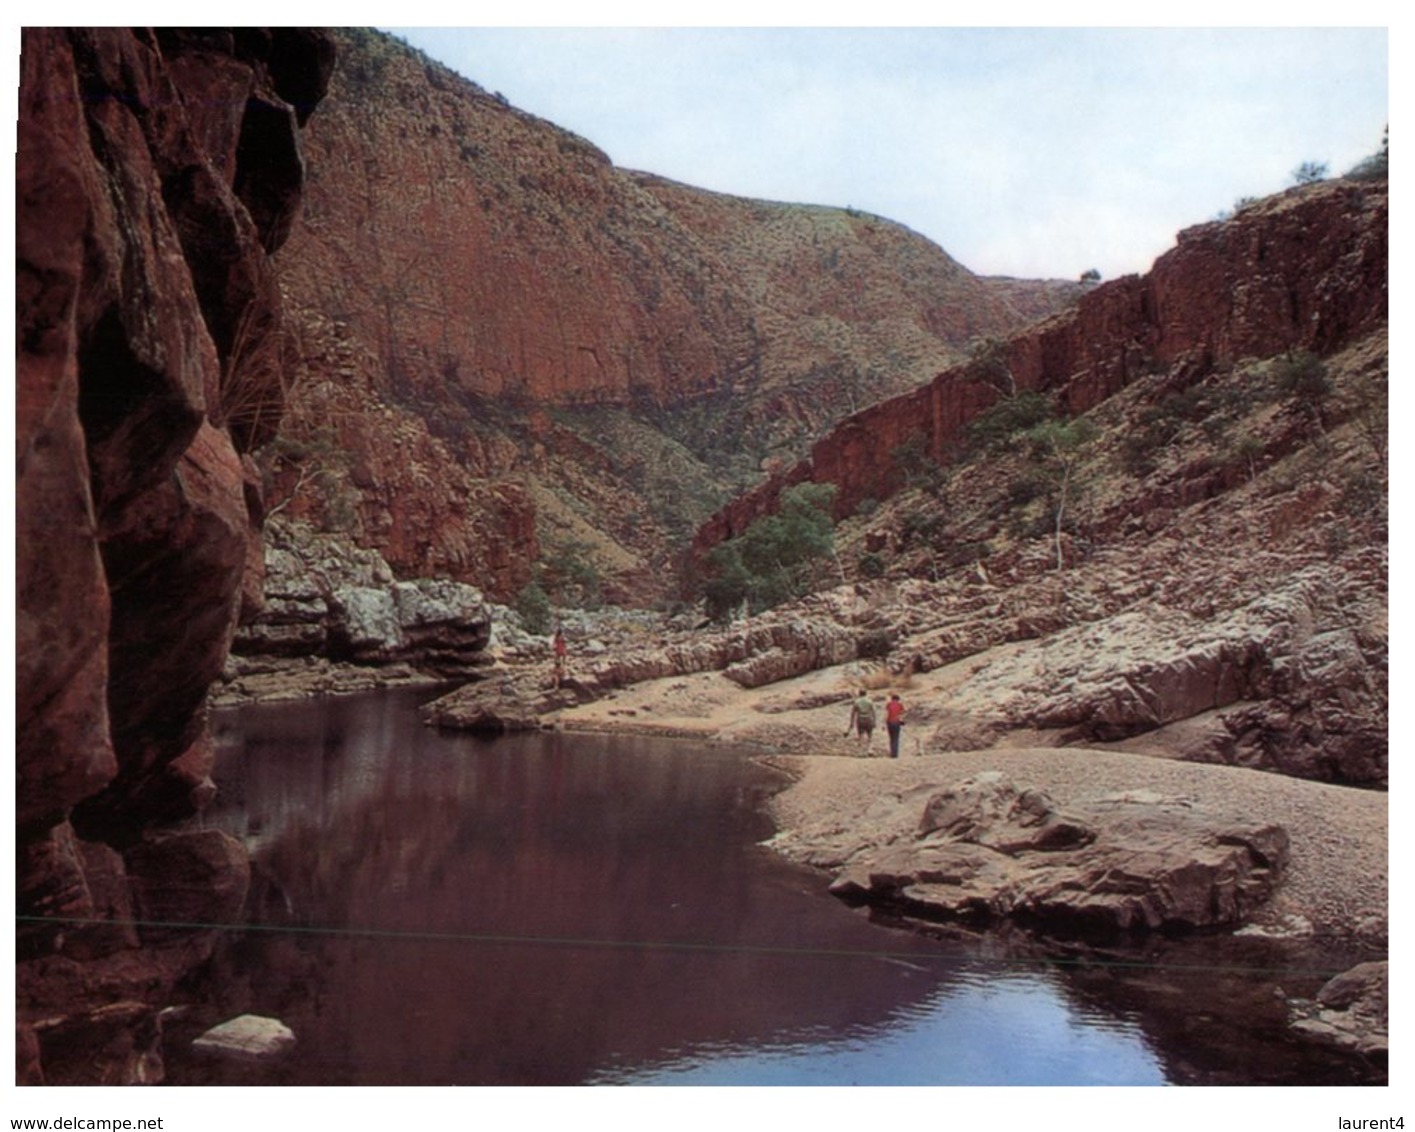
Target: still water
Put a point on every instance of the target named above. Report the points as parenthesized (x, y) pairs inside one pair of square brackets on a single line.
[(434, 908)]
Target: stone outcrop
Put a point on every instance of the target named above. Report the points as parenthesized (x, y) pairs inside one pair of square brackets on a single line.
[(326, 598), (1279, 672), (820, 633), (1350, 1013), (987, 850), (156, 172)]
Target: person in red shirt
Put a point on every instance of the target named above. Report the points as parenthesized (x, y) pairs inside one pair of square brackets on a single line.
[(894, 722), (561, 649)]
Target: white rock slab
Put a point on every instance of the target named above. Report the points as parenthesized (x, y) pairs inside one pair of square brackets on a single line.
[(249, 1037)]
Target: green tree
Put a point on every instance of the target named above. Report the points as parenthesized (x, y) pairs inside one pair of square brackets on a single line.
[(777, 558), (1057, 450), (728, 583), (1309, 173), (988, 362), (533, 604)]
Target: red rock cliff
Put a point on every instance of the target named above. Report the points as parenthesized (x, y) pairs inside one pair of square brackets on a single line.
[(1302, 270), (559, 343), (156, 172)]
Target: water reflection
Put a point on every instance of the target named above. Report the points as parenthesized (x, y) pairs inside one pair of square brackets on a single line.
[(984, 1030), (431, 908)]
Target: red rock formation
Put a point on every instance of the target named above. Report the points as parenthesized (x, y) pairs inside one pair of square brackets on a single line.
[(155, 173), (1302, 270), (498, 283)]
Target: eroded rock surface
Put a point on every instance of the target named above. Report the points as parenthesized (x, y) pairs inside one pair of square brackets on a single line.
[(156, 172), (329, 599), (986, 849)]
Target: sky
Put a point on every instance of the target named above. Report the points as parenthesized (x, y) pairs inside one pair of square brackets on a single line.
[(1033, 152)]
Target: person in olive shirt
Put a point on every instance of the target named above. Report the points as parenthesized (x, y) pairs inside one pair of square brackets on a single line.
[(862, 720)]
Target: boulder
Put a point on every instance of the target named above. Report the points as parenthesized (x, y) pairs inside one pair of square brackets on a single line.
[(247, 1038), (1351, 1012), (503, 704), (986, 849)]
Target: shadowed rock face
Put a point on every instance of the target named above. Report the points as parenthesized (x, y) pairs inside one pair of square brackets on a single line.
[(156, 171)]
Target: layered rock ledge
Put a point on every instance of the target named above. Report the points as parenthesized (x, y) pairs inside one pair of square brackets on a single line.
[(986, 849)]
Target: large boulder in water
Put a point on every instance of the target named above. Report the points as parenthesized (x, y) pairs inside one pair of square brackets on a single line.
[(1351, 1012)]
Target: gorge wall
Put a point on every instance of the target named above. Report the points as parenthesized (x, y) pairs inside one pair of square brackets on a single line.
[(512, 348), (157, 172), (1303, 270)]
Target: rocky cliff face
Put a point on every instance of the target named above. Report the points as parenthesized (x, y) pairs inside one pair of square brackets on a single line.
[(1305, 270), (156, 173), (516, 349)]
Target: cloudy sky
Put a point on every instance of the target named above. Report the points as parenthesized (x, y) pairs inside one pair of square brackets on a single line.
[(1022, 151)]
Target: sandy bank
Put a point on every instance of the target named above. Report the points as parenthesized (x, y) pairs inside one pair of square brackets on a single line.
[(1337, 881)]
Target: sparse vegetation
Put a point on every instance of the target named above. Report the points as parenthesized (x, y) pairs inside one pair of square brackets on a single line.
[(1302, 378), (1376, 167), (533, 604), (1309, 173), (1371, 413), (312, 461), (995, 428), (919, 468), (568, 576), (1249, 449), (988, 362)]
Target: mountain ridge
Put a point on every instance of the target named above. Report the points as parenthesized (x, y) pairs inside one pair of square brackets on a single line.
[(502, 283)]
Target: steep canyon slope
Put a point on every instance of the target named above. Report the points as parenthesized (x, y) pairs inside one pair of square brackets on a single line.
[(514, 350)]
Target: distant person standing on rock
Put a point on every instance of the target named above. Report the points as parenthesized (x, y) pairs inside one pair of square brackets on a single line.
[(862, 719), (561, 651), (894, 722)]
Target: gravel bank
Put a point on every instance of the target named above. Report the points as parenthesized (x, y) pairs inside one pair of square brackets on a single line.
[(1337, 879)]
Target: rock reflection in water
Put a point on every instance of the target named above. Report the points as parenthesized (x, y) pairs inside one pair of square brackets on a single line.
[(438, 909)]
